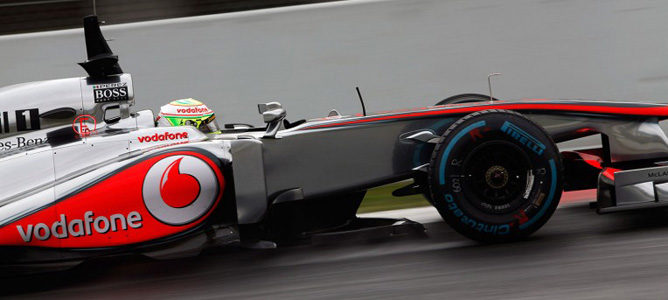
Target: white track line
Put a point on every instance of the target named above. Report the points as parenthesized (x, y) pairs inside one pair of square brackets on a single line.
[(197, 19), (427, 214), (35, 3)]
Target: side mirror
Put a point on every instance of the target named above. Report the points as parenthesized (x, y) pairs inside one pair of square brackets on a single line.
[(272, 114)]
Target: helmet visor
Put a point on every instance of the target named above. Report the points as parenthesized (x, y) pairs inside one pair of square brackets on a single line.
[(209, 125)]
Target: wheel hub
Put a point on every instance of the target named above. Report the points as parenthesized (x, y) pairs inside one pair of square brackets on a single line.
[(496, 177)]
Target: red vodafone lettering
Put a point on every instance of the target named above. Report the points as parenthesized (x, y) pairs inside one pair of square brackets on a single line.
[(88, 225), (116, 211), (166, 136), (192, 110)]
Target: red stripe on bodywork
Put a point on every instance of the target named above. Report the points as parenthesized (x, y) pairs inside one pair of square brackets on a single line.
[(596, 163), (592, 160), (578, 196), (119, 195), (610, 173), (659, 111)]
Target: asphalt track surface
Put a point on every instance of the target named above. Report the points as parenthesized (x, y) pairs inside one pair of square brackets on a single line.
[(577, 255)]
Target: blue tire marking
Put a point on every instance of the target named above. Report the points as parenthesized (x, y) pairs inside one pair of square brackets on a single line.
[(553, 188), (441, 171)]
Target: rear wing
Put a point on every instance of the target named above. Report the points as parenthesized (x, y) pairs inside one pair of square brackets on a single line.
[(101, 61), (35, 113)]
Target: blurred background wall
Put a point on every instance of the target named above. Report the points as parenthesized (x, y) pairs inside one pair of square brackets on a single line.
[(401, 53), (17, 16)]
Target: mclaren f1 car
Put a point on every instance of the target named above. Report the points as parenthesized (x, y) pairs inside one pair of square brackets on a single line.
[(84, 175)]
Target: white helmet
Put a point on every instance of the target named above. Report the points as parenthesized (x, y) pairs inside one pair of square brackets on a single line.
[(189, 112)]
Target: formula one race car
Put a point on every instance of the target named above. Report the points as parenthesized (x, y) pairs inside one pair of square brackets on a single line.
[(84, 176)]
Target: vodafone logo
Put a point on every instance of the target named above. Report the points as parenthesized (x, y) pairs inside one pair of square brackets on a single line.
[(88, 225), (180, 189), (192, 110), (167, 136)]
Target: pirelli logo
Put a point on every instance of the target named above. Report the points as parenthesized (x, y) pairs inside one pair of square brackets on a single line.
[(523, 137)]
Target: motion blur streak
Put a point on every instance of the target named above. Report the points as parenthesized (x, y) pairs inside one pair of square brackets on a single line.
[(408, 52), (25, 15), (576, 255)]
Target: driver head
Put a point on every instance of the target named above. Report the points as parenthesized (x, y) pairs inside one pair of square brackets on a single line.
[(188, 112)]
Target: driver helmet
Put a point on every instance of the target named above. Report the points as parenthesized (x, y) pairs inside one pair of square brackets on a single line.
[(188, 112)]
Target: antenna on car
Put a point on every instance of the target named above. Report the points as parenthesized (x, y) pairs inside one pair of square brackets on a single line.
[(489, 84), (94, 8), (361, 100)]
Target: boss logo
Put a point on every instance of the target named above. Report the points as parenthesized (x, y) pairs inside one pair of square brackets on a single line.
[(110, 92), (180, 189)]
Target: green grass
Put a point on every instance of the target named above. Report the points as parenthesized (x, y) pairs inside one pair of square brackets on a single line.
[(380, 198)]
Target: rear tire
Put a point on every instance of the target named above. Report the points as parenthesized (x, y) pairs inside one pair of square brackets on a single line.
[(465, 98), (495, 176)]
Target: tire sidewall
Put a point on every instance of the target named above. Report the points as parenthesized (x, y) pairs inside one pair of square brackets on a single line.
[(450, 181), (465, 98)]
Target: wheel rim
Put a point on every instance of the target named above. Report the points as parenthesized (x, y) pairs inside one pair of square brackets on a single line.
[(497, 177)]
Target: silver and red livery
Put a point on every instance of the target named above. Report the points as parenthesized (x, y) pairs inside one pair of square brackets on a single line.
[(83, 175)]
